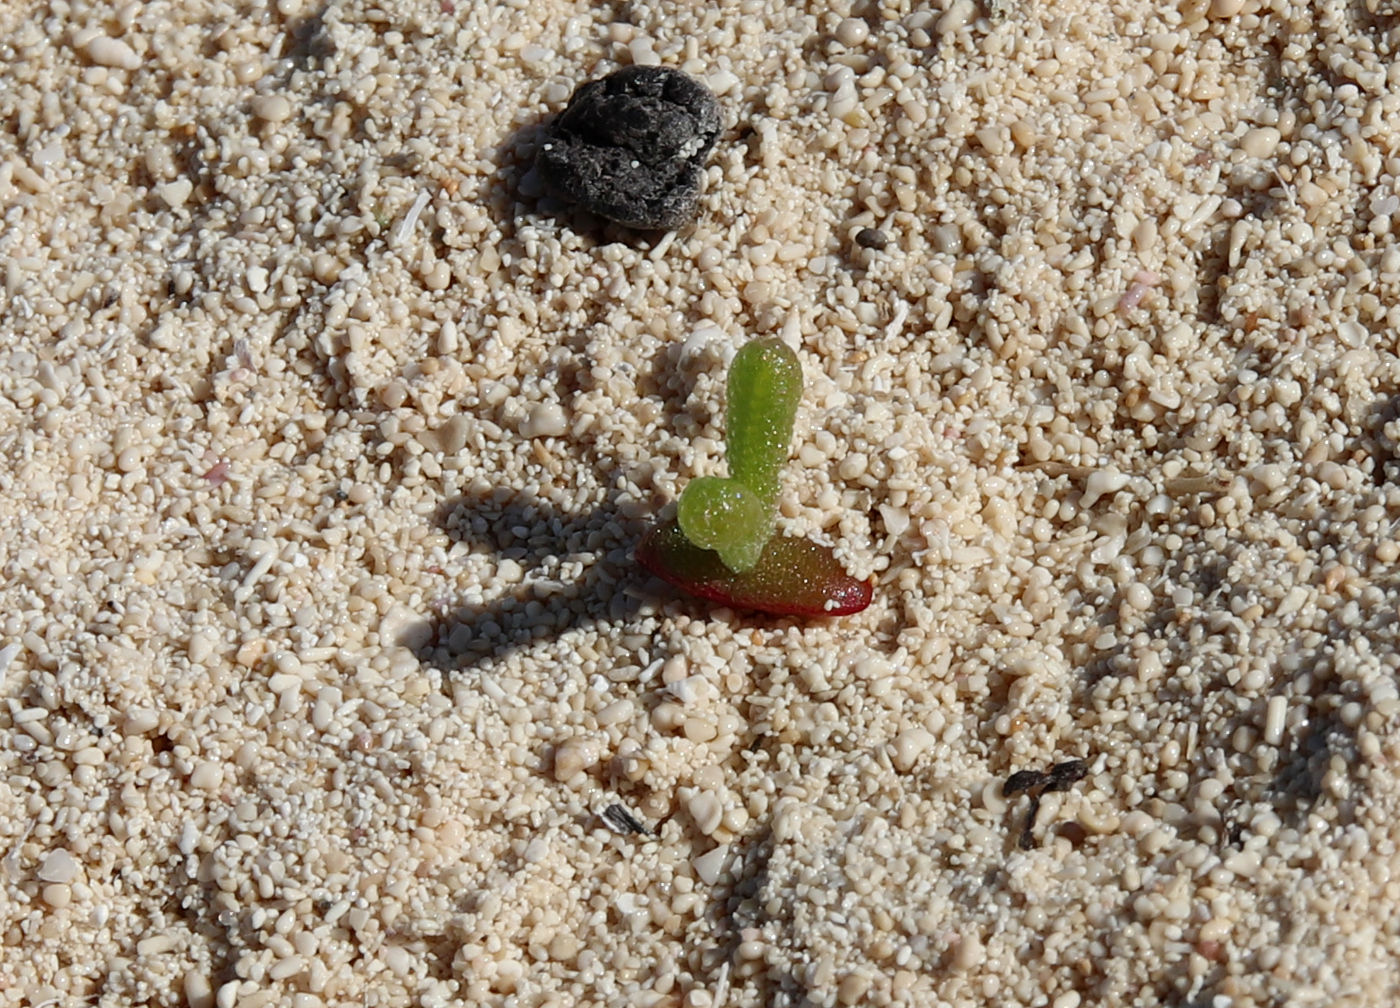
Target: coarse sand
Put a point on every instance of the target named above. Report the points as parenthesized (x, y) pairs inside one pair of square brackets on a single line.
[(328, 433)]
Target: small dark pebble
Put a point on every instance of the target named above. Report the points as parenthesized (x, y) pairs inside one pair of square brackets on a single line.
[(871, 239), (631, 146)]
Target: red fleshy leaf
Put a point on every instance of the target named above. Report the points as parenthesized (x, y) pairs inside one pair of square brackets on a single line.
[(793, 577)]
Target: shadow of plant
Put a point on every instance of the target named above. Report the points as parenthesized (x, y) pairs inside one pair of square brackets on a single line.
[(575, 571)]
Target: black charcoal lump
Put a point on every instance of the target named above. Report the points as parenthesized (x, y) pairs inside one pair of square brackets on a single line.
[(630, 146)]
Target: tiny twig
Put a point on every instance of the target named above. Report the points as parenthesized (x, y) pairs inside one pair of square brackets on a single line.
[(619, 820), (1037, 783)]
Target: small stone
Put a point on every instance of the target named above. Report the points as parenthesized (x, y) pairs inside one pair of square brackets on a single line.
[(156, 944), (198, 991), (207, 776), (250, 652), (872, 239), (545, 420), (563, 947), (630, 146), (58, 866), (1261, 142), (272, 108), (709, 865), (572, 757), (909, 745), (707, 810), (852, 988), (174, 194), (140, 720), (452, 436), (968, 953), (852, 32), (1102, 483), (112, 52)]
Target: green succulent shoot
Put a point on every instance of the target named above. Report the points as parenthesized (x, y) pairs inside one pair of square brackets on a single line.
[(722, 544), (734, 516)]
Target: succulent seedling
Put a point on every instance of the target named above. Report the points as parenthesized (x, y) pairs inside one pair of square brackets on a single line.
[(721, 545)]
